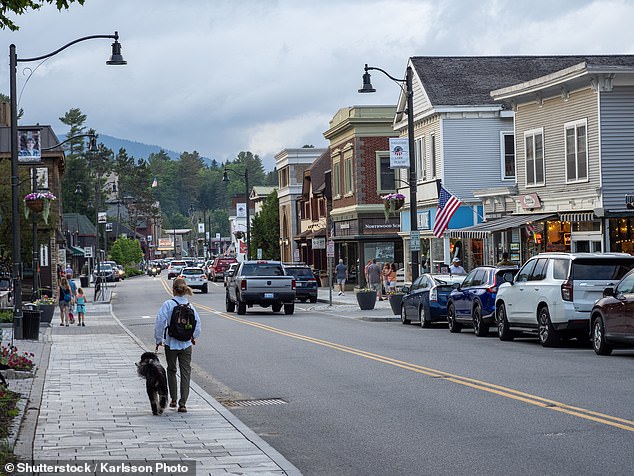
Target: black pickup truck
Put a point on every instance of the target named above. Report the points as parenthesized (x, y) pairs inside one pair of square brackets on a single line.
[(263, 283)]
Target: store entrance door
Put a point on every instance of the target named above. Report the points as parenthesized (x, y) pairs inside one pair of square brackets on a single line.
[(590, 242)]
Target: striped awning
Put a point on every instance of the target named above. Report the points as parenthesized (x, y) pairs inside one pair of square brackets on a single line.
[(574, 217), (484, 229)]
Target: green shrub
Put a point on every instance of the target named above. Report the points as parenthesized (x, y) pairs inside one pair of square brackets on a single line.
[(6, 315)]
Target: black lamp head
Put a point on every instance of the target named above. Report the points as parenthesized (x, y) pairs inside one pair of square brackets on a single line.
[(116, 58), (225, 177), (367, 84)]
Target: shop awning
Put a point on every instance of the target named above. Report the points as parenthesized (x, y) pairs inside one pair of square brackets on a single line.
[(76, 251), (575, 217), (484, 229)]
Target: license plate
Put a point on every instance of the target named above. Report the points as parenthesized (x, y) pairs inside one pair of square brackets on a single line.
[(268, 295)]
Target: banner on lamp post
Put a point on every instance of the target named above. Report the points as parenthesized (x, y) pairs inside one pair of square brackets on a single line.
[(399, 153), (201, 228)]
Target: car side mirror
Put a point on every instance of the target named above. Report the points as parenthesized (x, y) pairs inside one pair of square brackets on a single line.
[(607, 292), (456, 286), (405, 289)]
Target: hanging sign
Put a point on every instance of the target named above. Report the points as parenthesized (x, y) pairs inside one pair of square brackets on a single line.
[(399, 153)]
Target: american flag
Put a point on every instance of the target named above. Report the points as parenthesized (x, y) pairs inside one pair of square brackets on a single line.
[(447, 206), (154, 183)]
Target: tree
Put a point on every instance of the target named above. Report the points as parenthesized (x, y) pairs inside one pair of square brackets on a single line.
[(265, 228), (126, 252), (20, 7)]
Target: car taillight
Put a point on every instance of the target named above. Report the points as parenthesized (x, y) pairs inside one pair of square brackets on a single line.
[(243, 285), (566, 290), (433, 295), (492, 289), (293, 284)]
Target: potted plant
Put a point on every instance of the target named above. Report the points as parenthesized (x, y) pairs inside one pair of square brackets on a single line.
[(366, 298), (39, 202), (391, 203), (395, 299), (47, 306)]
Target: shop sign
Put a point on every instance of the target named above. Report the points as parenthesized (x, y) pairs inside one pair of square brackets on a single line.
[(530, 201), (319, 243)]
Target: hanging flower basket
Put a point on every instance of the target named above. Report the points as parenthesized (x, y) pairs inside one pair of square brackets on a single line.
[(392, 202), (39, 202), (239, 235)]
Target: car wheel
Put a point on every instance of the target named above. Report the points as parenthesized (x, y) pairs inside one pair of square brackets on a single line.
[(289, 308), (424, 323), (276, 307), (548, 336), (242, 308), (205, 289), (404, 318), (600, 346), (230, 306), (454, 327), (313, 299), (480, 329), (504, 333)]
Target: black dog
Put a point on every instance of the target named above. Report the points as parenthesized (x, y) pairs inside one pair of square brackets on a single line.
[(155, 381)]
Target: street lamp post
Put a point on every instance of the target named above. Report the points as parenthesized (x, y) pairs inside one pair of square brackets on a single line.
[(115, 59), (225, 178), (409, 92)]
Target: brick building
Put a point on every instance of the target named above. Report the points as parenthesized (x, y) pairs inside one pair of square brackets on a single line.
[(359, 150)]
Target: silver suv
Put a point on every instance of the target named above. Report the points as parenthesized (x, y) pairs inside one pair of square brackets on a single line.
[(553, 294)]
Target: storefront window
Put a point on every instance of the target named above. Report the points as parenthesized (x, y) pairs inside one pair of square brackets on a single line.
[(622, 235), (558, 236)]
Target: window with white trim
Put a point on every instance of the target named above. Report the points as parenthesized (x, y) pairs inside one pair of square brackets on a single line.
[(419, 147), (433, 156), (348, 173), (385, 176), (534, 157), (507, 150), (576, 151)]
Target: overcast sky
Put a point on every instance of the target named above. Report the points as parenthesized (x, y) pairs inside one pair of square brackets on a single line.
[(222, 76)]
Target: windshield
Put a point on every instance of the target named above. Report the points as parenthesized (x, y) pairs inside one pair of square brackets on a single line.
[(191, 272), (303, 272)]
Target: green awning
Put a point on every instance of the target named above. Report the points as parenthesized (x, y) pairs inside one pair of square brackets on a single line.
[(76, 251)]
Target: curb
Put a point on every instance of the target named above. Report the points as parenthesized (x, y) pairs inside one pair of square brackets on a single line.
[(249, 434)]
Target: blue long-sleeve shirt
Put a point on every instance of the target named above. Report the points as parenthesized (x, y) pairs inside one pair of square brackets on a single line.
[(163, 319)]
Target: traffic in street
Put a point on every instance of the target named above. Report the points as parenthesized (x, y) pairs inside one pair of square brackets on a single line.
[(337, 394)]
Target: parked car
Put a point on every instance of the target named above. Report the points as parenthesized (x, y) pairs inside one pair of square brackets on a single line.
[(105, 272), (195, 278), (426, 299), (612, 317), (219, 267), (306, 283), (554, 293), (229, 272), (175, 268), (473, 302)]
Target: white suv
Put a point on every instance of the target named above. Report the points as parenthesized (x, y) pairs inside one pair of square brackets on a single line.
[(553, 294)]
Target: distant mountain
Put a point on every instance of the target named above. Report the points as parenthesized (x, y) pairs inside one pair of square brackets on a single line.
[(138, 150)]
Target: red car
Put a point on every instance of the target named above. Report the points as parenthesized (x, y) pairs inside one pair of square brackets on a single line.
[(218, 268)]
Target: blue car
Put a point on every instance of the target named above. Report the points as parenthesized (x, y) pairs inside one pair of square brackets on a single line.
[(425, 300), (472, 304)]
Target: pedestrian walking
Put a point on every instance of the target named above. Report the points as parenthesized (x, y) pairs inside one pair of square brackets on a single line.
[(391, 277), (374, 278), (456, 267), (365, 271), (64, 297), (505, 260), (73, 300), (341, 271), (177, 327), (385, 274), (81, 308)]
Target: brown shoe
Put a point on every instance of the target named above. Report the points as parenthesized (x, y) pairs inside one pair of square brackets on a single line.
[(173, 404), (182, 409)]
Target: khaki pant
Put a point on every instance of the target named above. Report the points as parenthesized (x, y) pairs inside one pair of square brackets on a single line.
[(184, 358)]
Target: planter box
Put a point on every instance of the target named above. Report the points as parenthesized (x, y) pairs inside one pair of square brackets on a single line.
[(366, 299), (47, 313), (395, 302)]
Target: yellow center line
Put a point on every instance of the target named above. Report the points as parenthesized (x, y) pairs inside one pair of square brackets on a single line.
[(499, 390)]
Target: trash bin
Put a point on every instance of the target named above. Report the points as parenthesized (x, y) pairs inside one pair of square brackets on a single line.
[(31, 322), (85, 281)]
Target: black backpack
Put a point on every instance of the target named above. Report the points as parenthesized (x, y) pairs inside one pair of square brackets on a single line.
[(182, 323)]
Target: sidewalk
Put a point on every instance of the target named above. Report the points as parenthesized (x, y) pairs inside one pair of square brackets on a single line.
[(347, 305), (94, 407)]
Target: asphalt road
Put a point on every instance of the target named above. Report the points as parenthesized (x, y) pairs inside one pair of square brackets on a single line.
[(380, 398)]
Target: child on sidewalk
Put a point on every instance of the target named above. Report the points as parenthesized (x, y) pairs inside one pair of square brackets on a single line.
[(81, 308)]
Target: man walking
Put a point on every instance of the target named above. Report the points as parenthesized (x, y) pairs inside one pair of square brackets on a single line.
[(374, 279), (341, 271)]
